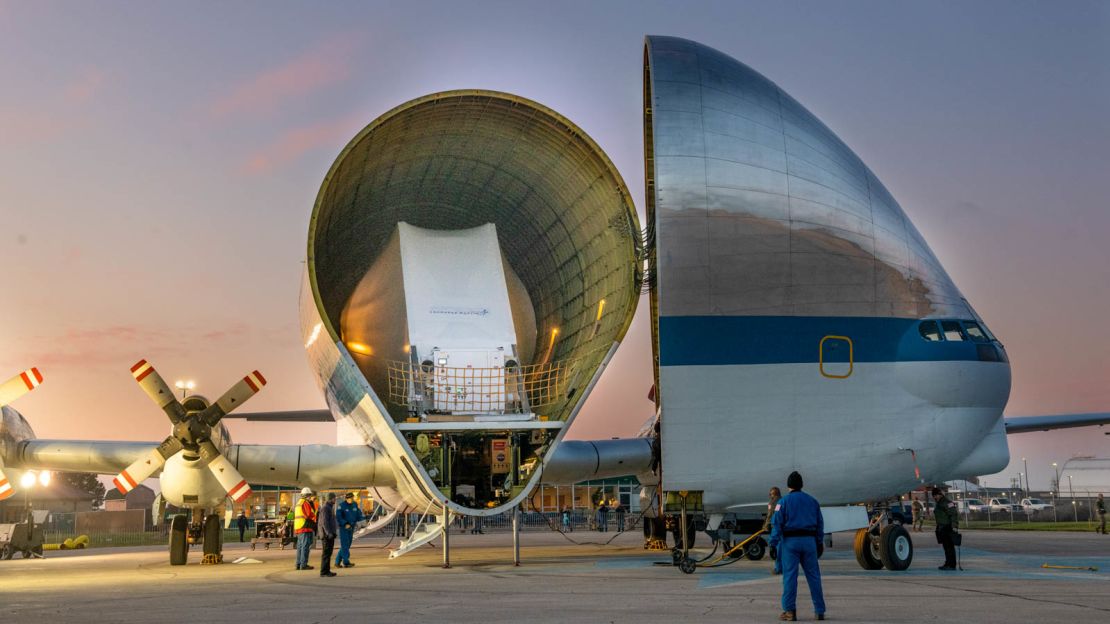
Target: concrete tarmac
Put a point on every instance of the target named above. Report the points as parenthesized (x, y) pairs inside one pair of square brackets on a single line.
[(559, 581)]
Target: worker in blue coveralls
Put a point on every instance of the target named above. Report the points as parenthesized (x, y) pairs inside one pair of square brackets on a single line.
[(348, 514), (797, 532)]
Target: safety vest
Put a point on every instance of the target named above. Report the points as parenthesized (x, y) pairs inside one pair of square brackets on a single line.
[(304, 517)]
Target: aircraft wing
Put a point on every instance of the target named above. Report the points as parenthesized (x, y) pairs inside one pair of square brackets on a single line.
[(324, 465), (319, 415), (1026, 424), (315, 465), (582, 460)]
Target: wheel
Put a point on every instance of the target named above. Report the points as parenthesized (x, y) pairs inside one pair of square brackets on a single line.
[(7, 552), (687, 566), (676, 556), (756, 549), (213, 535), (895, 547), (179, 540), (867, 553)]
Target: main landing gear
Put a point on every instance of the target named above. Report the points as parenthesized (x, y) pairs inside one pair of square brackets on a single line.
[(884, 543), (208, 533)]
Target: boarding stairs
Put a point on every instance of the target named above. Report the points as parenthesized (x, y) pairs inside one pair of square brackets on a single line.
[(375, 525), (429, 528)]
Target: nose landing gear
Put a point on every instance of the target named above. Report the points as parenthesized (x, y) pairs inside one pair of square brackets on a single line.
[(209, 534), (885, 543)]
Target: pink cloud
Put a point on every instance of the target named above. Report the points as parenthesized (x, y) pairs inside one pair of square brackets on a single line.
[(109, 345), (19, 126), (85, 86), (321, 66), (298, 141), (25, 125)]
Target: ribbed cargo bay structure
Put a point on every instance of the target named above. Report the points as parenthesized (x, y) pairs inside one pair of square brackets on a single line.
[(398, 250)]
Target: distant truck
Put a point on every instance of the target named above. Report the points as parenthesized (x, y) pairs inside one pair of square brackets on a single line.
[(1004, 505), (1035, 504), (972, 505)]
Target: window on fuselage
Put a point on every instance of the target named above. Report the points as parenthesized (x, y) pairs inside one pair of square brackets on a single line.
[(952, 331), (929, 331), (975, 332)]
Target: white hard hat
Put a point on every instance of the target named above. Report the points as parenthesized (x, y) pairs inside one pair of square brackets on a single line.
[(306, 491)]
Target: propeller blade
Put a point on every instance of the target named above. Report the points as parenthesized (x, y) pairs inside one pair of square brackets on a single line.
[(19, 385), (232, 482), (6, 488), (155, 387), (142, 468), (233, 398)]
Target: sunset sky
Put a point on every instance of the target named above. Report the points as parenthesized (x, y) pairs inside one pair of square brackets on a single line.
[(158, 165)]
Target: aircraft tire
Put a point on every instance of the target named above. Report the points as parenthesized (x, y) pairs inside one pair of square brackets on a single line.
[(688, 566), (213, 535), (866, 556), (895, 548), (756, 549), (179, 540)]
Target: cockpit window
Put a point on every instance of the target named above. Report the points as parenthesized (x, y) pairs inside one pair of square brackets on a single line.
[(975, 332), (929, 331), (952, 331)]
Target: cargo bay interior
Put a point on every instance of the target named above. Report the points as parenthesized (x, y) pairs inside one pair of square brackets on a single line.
[(478, 396)]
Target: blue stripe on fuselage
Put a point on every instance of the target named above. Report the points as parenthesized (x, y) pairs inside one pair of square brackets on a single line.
[(732, 340)]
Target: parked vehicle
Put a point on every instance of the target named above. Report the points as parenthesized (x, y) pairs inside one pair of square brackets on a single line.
[(1035, 504), (1004, 505), (972, 505)]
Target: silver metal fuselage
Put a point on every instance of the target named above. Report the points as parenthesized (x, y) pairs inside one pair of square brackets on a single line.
[(789, 287)]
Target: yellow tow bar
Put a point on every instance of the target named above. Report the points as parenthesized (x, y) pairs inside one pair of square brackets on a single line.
[(1059, 567), (739, 546)]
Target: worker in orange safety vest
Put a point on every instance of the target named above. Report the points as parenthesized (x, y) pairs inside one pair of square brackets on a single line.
[(304, 526)]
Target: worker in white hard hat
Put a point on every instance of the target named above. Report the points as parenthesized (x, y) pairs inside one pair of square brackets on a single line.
[(304, 526)]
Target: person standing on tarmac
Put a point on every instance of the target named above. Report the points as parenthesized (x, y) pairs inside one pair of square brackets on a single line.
[(948, 520), (1100, 508), (242, 523), (774, 496), (304, 526), (797, 532), (329, 528), (918, 514), (348, 514)]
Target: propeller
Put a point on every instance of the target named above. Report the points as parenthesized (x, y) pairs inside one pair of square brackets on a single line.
[(19, 385), (192, 431), (11, 390)]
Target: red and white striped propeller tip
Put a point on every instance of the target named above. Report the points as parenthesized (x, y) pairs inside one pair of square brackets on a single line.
[(255, 380), (31, 377), (141, 369)]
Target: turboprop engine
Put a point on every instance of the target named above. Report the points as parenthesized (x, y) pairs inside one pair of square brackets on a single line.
[(473, 262), (195, 472), (13, 428)]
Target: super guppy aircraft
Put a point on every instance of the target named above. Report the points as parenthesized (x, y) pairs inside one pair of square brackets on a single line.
[(474, 260)]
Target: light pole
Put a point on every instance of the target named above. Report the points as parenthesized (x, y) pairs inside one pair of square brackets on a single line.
[(1021, 485), (1054, 490), (185, 387), (1027, 486), (1071, 492), (28, 481)]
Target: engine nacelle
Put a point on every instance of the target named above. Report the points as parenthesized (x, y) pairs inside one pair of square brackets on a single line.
[(187, 482), (13, 430)]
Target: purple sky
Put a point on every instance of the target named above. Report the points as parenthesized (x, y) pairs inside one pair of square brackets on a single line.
[(159, 165)]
